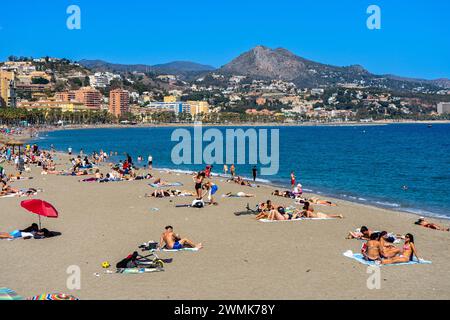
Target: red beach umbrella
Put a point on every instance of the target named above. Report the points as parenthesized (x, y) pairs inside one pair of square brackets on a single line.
[(41, 208)]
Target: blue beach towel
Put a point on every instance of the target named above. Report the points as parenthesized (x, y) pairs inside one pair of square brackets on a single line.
[(359, 257), (182, 249)]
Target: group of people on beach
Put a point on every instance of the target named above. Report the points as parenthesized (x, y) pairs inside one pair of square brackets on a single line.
[(268, 210)]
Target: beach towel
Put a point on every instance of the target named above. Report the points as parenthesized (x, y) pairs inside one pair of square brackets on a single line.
[(301, 219), (137, 270), (182, 249), (359, 257), (169, 184)]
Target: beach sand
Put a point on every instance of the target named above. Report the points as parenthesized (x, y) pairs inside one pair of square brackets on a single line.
[(241, 259)]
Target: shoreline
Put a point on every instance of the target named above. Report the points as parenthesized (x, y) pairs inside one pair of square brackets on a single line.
[(105, 222), (316, 191)]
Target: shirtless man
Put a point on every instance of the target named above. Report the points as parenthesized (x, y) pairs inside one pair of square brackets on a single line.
[(174, 241)]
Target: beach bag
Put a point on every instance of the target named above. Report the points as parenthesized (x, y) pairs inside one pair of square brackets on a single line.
[(125, 263), (198, 204)]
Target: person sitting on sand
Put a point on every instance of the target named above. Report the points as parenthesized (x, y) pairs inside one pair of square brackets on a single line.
[(308, 212), (174, 241), (265, 209), (372, 249), (238, 195), (7, 190), (388, 250), (422, 222), (407, 254)]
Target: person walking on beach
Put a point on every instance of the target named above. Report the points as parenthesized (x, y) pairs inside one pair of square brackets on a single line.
[(69, 150), (150, 162), (254, 172), (292, 180), (225, 169), (174, 241), (232, 170)]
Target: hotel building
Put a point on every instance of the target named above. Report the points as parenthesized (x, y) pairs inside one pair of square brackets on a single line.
[(7, 89), (119, 102)]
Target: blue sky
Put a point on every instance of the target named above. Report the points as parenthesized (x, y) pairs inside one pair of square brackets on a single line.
[(414, 40)]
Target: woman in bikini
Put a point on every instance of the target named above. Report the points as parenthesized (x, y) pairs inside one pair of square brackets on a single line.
[(407, 254), (198, 179), (265, 209), (372, 249), (308, 212), (422, 222)]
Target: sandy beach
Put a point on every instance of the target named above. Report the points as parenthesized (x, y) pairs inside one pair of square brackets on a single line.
[(241, 259)]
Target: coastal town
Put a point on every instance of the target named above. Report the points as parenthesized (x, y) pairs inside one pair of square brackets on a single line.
[(58, 91)]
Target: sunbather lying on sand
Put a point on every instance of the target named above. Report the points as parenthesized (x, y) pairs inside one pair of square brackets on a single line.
[(422, 222), (285, 194), (170, 240), (281, 213), (160, 182), (238, 195), (316, 200), (159, 193), (363, 234), (5, 235), (182, 193), (308, 212)]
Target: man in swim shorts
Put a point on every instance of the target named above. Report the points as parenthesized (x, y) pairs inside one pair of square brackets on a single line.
[(174, 241)]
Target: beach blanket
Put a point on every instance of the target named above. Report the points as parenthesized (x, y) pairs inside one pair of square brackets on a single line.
[(169, 184), (359, 257), (19, 194), (182, 249), (293, 220), (138, 270)]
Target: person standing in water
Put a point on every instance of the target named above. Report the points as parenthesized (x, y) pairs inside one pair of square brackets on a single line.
[(232, 170), (150, 162), (254, 172), (292, 180)]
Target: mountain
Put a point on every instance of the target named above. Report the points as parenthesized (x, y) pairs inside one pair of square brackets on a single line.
[(266, 63), (176, 67), (184, 66)]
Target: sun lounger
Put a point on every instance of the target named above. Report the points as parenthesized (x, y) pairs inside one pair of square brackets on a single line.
[(359, 257)]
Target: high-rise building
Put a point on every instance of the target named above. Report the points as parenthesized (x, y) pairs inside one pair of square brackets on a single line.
[(90, 97), (7, 89), (119, 101), (65, 96), (443, 108)]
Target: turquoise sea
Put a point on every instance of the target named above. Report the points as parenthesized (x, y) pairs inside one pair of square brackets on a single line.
[(404, 167)]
